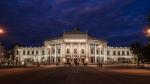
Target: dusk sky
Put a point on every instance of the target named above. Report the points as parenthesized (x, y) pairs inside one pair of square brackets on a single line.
[(31, 22)]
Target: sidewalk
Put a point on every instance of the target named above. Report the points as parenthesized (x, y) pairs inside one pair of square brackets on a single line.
[(123, 66)]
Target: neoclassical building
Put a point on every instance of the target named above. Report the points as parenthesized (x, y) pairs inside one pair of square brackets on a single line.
[(74, 46)]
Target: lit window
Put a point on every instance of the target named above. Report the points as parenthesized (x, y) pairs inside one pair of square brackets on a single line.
[(68, 51), (97, 51), (108, 52), (82, 51), (123, 53), (32, 52), (53, 51), (127, 52), (114, 52), (37, 52), (118, 53), (92, 51), (43, 53), (58, 51), (102, 51), (17, 52), (28, 52), (24, 52), (75, 51)]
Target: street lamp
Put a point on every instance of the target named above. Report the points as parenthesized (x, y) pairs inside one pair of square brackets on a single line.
[(49, 47), (147, 32), (100, 46), (2, 30)]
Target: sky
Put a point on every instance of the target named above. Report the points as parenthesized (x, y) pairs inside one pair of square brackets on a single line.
[(31, 22)]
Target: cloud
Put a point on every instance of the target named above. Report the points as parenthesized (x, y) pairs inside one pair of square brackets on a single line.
[(41, 18)]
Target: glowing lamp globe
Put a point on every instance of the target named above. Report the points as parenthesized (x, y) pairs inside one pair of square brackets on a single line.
[(2, 31)]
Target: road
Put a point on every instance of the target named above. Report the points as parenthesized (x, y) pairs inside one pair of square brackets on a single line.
[(73, 75)]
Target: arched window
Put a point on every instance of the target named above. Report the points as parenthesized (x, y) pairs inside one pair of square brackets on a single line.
[(68, 51), (75, 51), (82, 51)]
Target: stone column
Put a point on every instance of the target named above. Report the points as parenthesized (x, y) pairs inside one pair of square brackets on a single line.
[(86, 49), (100, 54), (55, 54), (71, 50), (89, 51), (79, 49), (95, 53), (50, 53), (60, 52)]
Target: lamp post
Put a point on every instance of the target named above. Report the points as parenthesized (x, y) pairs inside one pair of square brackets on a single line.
[(2, 32), (148, 35), (49, 47)]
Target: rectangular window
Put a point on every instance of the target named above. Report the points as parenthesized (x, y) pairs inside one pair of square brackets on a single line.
[(102, 51), (118, 53), (43, 53), (92, 51), (58, 51), (97, 51), (114, 52), (123, 53), (75, 51), (17, 53), (128, 53), (37, 52), (24, 52), (32, 52), (108, 52), (28, 52)]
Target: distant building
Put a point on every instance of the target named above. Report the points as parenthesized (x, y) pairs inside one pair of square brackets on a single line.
[(2, 53), (74, 46)]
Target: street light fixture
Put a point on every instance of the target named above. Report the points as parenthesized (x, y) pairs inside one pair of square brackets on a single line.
[(147, 33), (100, 46), (2, 30)]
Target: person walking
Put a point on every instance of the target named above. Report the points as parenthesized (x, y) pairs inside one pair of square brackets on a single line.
[(101, 65), (86, 64)]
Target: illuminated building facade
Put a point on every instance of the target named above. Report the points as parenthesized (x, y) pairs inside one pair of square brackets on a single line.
[(74, 46)]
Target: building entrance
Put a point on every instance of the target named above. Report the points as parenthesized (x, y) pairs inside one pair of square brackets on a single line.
[(83, 60), (75, 60)]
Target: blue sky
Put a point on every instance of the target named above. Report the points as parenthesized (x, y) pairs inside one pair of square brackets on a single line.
[(30, 22)]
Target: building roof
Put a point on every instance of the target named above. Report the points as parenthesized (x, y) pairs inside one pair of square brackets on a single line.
[(75, 31)]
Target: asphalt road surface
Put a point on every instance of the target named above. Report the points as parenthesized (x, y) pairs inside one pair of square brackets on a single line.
[(72, 75)]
